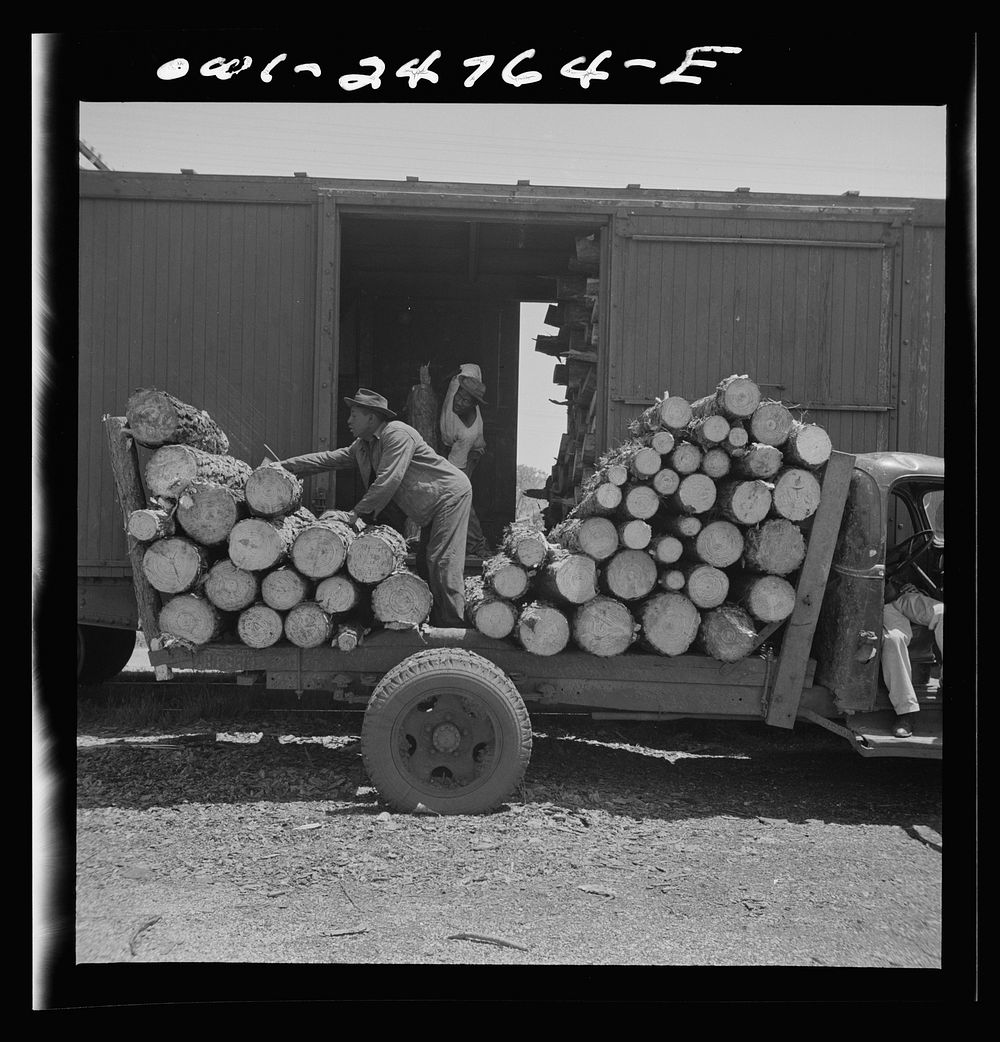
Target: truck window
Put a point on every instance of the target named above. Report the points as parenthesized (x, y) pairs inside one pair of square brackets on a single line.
[(933, 503)]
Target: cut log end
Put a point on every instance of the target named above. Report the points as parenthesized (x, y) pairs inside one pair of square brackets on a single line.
[(337, 594), (191, 618), (308, 626), (796, 494), (542, 629), (603, 626), (669, 623), (402, 600), (230, 588), (283, 588), (272, 491), (173, 564), (259, 626), (727, 633), (629, 575)]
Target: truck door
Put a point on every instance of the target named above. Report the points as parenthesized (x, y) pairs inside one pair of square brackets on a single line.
[(803, 304)]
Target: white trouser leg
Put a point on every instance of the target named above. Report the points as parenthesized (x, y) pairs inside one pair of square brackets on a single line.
[(896, 669), (924, 611)]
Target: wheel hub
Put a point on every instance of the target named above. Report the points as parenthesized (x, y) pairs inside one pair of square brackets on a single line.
[(446, 738)]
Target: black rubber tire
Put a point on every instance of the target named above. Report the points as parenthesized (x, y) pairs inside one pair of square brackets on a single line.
[(101, 652), (446, 695)]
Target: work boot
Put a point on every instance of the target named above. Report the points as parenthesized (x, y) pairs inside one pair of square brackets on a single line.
[(903, 727)]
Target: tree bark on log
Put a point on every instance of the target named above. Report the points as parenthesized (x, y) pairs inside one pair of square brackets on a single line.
[(668, 623), (595, 536), (525, 544), (422, 411), (172, 468), (727, 633), (708, 432), (629, 575), (705, 585), (757, 461), (770, 424), (486, 612), (605, 498), (662, 442), (808, 445), (230, 588), (796, 494), (735, 397), (686, 458), (320, 549), (401, 601), (338, 594), (666, 481), (259, 626), (349, 635), (542, 629), (672, 579), (603, 626), (640, 501), (271, 491), (719, 543), (671, 412), (283, 588), (308, 626), (174, 564), (635, 534), (666, 549), (744, 502), (207, 511), (505, 577), (191, 618), (777, 547), (768, 598), (258, 544), (696, 494), (716, 463), (644, 463), (567, 578), (375, 554), (149, 524), (157, 418)]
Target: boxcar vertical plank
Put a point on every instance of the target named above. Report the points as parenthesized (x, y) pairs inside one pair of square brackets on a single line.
[(790, 673), (325, 338)]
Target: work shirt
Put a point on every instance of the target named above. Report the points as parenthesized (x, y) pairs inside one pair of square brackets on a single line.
[(404, 468)]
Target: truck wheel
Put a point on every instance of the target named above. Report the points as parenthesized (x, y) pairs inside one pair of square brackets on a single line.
[(101, 652), (446, 731)]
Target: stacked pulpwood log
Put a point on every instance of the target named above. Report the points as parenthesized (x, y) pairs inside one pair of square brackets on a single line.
[(576, 314), (231, 549), (687, 537)]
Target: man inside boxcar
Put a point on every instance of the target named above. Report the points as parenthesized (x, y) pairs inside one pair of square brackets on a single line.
[(397, 464)]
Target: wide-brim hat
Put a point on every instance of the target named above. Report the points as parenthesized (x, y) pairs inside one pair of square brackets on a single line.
[(369, 399), (475, 387)]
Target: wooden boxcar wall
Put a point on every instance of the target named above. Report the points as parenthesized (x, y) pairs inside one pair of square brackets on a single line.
[(842, 316), (214, 301)]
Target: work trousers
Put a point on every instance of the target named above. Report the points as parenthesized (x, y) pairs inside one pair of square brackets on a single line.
[(476, 544), (897, 633), (442, 550)]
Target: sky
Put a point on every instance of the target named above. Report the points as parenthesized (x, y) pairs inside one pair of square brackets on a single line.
[(895, 151)]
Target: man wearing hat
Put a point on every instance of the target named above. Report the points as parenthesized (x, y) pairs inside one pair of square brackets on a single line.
[(462, 432), (397, 464)]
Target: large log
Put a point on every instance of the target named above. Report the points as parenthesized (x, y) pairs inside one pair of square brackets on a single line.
[(757, 461), (259, 626), (505, 577), (567, 578), (635, 534), (777, 547), (192, 618), (230, 588), (542, 629), (595, 536), (770, 424), (157, 418), (524, 543), (603, 500), (668, 623), (686, 458), (716, 463), (603, 626), (174, 564), (320, 549), (768, 598), (486, 612), (735, 397), (661, 441), (283, 588), (629, 575), (401, 601), (640, 501), (705, 585), (644, 462), (727, 633), (338, 594), (258, 544), (671, 412), (172, 468), (375, 554), (666, 549), (808, 445), (207, 511), (719, 543), (796, 494), (666, 481), (708, 431), (149, 523), (743, 502), (272, 491), (308, 626), (695, 494)]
